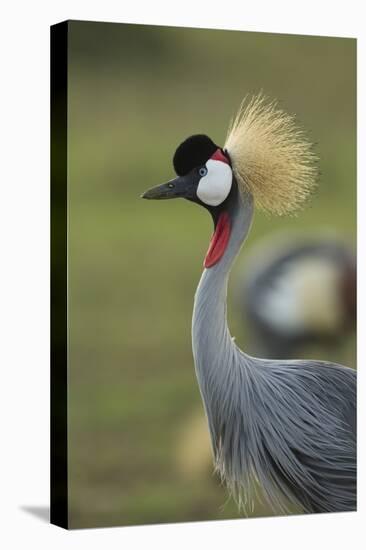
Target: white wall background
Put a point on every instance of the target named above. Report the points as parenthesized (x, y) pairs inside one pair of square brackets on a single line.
[(24, 301)]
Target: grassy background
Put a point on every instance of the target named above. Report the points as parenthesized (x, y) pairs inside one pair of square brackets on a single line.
[(135, 92)]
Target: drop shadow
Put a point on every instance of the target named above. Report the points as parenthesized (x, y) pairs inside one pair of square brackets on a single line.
[(40, 512)]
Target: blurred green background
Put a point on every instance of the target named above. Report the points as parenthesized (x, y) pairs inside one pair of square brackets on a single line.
[(138, 450)]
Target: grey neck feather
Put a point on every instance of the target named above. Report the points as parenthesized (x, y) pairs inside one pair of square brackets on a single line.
[(213, 347), (261, 413)]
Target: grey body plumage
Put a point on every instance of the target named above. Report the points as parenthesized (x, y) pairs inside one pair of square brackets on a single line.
[(288, 426)]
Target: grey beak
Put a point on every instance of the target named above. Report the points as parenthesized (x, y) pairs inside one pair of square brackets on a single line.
[(160, 192), (182, 186)]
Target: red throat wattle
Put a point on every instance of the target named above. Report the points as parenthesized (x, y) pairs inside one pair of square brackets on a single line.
[(219, 240)]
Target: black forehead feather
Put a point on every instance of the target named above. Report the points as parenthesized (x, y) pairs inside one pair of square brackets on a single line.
[(193, 152)]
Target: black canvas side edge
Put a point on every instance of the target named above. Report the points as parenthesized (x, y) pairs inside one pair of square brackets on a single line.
[(59, 474)]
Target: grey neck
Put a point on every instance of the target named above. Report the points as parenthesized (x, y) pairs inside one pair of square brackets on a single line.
[(213, 348), (241, 215)]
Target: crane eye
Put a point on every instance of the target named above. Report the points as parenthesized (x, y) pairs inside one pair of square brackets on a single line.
[(202, 171)]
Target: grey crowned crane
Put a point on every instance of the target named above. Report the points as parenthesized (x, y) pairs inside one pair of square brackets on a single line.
[(287, 425), (296, 291)]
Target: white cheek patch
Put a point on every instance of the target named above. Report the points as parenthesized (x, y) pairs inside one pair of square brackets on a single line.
[(215, 186)]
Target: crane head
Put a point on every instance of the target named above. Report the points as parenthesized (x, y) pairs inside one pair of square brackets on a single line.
[(204, 176), (203, 171)]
